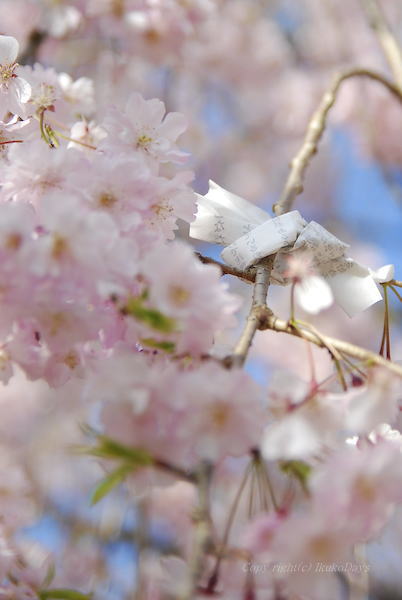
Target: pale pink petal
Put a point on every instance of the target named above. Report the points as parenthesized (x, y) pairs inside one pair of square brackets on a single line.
[(383, 274), (155, 110), (9, 48), (18, 88), (22, 90), (313, 294), (173, 126)]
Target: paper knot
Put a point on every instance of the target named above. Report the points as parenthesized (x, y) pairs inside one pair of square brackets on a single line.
[(250, 234)]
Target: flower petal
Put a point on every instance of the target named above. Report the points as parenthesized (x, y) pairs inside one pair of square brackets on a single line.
[(9, 48), (383, 274), (173, 125), (313, 294), (23, 90)]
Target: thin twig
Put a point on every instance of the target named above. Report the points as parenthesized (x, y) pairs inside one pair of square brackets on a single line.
[(365, 356), (354, 367), (261, 317), (336, 356), (397, 294), (213, 580), (248, 275), (264, 471), (69, 139), (315, 130), (175, 471), (202, 533), (386, 38)]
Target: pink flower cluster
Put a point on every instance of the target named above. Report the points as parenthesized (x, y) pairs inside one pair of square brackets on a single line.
[(109, 322), (83, 228)]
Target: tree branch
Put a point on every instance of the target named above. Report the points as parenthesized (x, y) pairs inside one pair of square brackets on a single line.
[(324, 341), (248, 275), (259, 312), (315, 130), (386, 38)]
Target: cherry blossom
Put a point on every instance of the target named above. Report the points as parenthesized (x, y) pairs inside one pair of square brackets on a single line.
[(190, 293), (164, 431), (15, 91), (144, 129), (312, 292)]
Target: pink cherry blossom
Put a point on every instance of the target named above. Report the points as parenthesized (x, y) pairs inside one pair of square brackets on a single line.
[(191, 293), (312, 292), (45, 88), (15, 91), (144, 128)]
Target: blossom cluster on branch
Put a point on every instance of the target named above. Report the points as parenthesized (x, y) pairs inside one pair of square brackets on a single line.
[(126, 415)]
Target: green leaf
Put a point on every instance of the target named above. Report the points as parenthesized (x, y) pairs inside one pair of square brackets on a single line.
[(159, 345), (63, 594), (110, 482), (109, 448), (298, 469), (150, 316)]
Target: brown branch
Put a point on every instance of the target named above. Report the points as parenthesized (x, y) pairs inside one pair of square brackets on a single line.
[(248, 275), (315, 130), (258, 312), (261, 317), (386, 38), (323, 341), (175, 471)]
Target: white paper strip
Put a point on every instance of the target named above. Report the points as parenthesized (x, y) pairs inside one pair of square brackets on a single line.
[(264, 240), (250, 234), (223, 217)]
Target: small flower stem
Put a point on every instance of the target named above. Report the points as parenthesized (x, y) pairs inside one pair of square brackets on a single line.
[(397, 294), (251, 496), (340, 373), (367, 357), (386, 338), (395, 283), (12, 142), (292, 302), (387, 315), (42, 128), (353, 367), (310, 357), (69, 139), (213, 580), (263, 468), (202, 533)]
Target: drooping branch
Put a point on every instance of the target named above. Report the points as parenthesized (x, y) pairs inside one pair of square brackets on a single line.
[(316, 127), (261, 317), (323, 341), (386, 38)]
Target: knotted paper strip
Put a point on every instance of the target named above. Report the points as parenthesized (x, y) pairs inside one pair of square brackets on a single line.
[(250, 234)]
